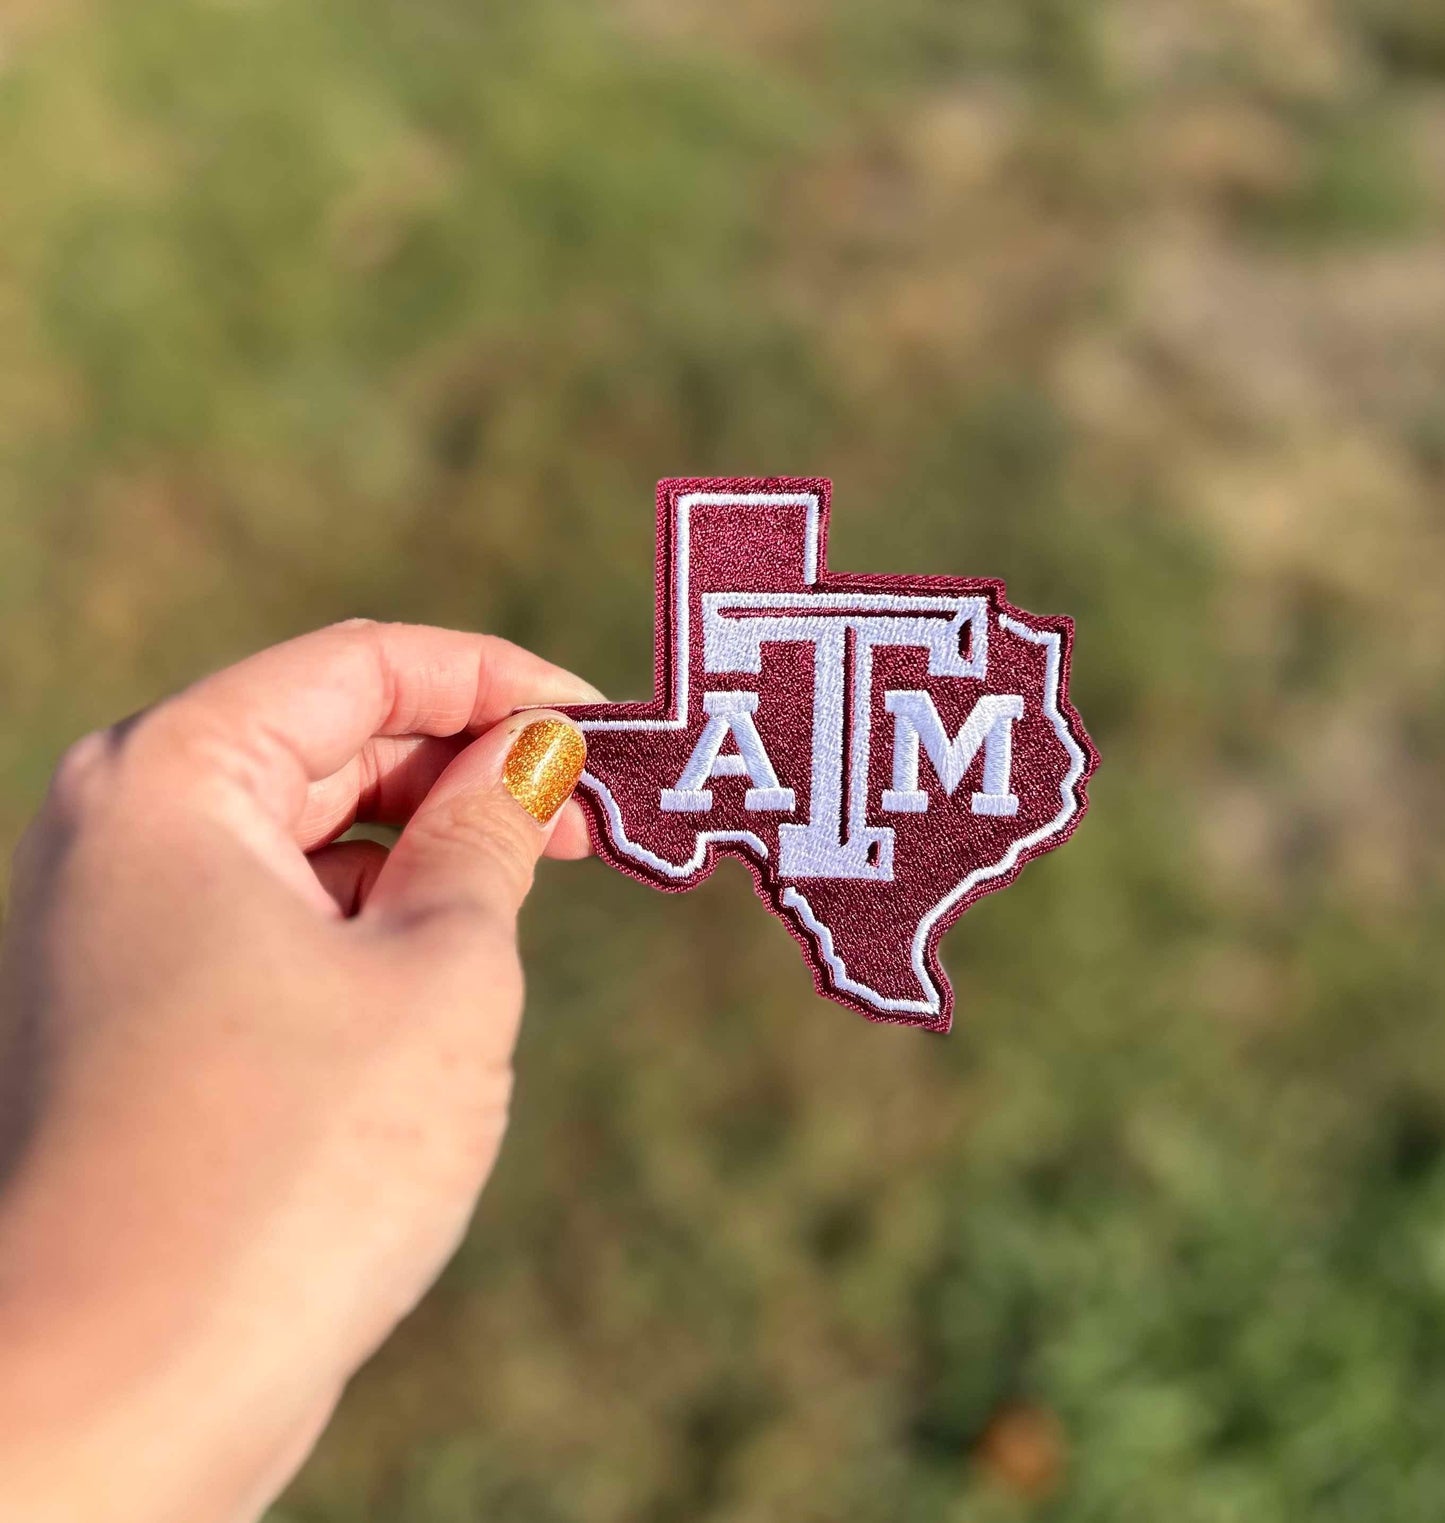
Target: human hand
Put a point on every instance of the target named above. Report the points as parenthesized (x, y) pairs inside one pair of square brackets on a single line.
[(252, 1078)]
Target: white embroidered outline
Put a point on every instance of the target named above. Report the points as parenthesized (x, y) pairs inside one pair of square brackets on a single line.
[(681, 674), (791, 898), (933, 1005), (681, 603)]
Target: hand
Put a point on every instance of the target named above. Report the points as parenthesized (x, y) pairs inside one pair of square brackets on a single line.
[(253, 1082)]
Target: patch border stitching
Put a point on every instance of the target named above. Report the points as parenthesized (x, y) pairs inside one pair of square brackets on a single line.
[(667, 710)]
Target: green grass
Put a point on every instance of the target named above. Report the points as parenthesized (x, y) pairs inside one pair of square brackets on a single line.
[(314, 309)]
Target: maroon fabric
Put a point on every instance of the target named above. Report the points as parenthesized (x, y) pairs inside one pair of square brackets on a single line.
[(882, 960)]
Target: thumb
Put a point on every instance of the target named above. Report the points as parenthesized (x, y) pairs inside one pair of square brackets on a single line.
[(473, 843)]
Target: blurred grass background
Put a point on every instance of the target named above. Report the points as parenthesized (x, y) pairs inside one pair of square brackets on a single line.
[(319, 307)]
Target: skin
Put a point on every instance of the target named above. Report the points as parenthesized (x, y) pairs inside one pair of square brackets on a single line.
[(252, 1080)]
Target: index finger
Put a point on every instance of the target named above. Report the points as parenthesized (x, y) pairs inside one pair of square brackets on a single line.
[(297, 712)]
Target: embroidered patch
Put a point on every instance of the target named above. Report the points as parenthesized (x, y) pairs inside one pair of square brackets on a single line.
[(880, 750)]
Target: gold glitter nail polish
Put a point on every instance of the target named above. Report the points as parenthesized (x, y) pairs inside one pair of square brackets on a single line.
[(543, 766)]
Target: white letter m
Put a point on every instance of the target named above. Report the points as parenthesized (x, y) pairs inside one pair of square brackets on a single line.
[(989, 728)]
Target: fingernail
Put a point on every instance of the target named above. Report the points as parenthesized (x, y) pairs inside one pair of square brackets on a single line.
[(543, 766)]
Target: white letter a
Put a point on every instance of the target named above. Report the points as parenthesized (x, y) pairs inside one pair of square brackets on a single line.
[(731, 714)]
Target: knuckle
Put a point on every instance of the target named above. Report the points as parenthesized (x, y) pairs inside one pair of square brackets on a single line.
[(82, 770), (186, 745), (166, 742), (360, 628), (161, 731)]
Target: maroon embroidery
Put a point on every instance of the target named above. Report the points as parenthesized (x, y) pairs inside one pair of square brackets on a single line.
[(880, 750)]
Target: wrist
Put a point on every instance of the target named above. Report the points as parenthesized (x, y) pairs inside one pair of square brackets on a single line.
[(123, 1403)]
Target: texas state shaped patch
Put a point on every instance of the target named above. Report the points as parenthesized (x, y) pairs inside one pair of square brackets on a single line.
[(880, 750)]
